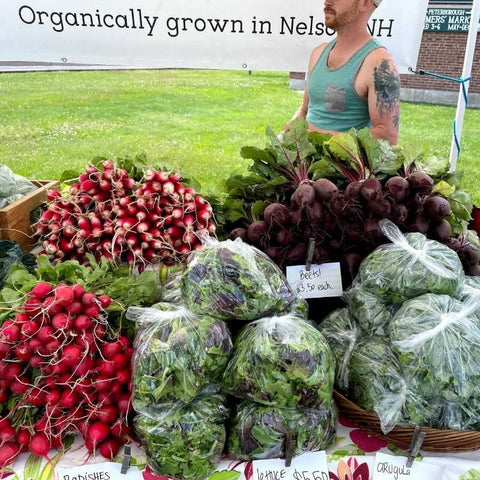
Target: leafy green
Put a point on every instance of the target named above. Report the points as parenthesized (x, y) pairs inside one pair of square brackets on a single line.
[(184, 442), (261, 432), (342, 334), (372, 313), (177, 354), (381, 158), (12, 254), (409, 267), (234, 281), (281, 361), (437, 339)]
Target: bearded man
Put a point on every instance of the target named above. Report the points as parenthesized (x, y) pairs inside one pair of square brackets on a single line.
[(353, 81)]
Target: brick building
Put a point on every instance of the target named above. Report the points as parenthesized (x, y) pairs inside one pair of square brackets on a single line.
[(442, 51)]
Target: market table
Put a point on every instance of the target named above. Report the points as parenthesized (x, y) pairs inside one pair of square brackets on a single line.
[(351, 458)]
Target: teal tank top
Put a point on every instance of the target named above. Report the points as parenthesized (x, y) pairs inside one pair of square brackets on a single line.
[(333, 102)]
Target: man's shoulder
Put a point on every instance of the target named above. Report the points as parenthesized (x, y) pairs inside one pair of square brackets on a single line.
[(315, 55), (378, 57)]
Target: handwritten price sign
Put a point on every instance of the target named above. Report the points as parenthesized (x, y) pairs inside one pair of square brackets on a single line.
[(321, 281)]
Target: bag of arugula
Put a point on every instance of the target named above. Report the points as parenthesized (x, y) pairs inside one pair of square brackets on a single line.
[(184, 442), (177, 354), (410, 266), (342, 334), (437, 340), (232, 280), (260, 432), (371, 312), (377, 383), (281, 361)]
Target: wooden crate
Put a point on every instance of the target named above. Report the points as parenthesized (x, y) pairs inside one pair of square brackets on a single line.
[(15, 223)]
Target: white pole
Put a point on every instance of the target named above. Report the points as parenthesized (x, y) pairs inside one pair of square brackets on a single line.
[(467, 70)]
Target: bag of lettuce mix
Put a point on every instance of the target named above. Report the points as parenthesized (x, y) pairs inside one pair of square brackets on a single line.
[(410, 266), (177, 354), (263, 431), (232, 280), (184, 441), (281, 361)]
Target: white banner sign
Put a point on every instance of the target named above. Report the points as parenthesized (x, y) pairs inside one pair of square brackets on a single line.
[(226, 34)]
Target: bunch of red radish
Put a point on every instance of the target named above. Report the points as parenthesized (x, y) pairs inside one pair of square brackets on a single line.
[(108, 214), (66, 372)]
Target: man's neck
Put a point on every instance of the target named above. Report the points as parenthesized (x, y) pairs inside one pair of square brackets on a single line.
[(351, 39)]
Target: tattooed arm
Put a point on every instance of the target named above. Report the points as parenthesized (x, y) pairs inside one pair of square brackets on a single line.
[(384, 96)]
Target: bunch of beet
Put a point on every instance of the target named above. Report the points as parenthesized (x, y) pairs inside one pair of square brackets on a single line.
[(345, 222), (108, 214), (66, 374)]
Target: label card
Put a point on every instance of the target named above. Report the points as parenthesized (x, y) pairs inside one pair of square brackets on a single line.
[(388, 467), (309, 466), (99, 471), (321, 281)]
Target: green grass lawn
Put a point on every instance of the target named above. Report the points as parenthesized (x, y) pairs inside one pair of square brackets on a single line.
[(191, 121)]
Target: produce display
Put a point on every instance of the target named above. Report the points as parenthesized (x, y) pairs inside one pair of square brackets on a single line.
[(177, 355), (232, 280), (281, 361), (184, 442), (109, 214), (261, 432), (63, 373), (335, 190)]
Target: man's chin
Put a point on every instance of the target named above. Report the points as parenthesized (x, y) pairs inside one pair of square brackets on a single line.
[(331, 24)]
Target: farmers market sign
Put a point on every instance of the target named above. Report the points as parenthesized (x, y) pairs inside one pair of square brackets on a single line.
[(267, 35), (447, 20)]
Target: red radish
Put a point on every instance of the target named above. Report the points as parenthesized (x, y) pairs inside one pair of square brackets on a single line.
[(64, 296), (105, 301), (107, 413), (42, 289), (60, 321), (72, 355), (39, 445), (98, 432), (8, 453), (110, 448)]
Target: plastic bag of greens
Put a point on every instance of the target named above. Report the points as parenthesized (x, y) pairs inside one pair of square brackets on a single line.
[(460, 416), (377, 383), (342, 334), (177, 354), (372, 313), (437, 339), (260, 431), (23, 186), (184, 442), (8, 185), (281, 361), (410, 266), (235, 281)]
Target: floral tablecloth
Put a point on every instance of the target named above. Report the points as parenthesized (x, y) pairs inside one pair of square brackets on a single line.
[(351, 458)]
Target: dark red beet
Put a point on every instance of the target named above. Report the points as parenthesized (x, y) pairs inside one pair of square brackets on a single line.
[(275, 253), (284, 237), (436, 208), (381, 207), (297, 254), (257, 233), (399, 213), (418, 223), (475, 223), (397, 188), (277, 215), (454, 244), (351, 263), (304, 195), (339, 205), (421, 183), (471, 254), (314, 212), (473, 271), (320, 255), (371, 189), (295, 217), (352, 192), (324, 189), (441, 231), (372, 228), (239, 233), (414, 203)]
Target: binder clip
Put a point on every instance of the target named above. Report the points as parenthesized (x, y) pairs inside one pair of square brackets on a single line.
[(415, 446), (127, 459), (311, 248), (289, 449)]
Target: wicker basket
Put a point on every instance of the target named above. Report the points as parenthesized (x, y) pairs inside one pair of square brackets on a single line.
[(436, 440)]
